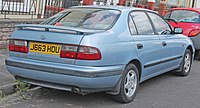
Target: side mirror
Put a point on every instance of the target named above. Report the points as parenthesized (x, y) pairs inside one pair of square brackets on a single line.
[(178, 30)]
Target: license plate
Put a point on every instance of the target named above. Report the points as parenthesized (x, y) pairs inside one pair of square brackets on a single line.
[(45, 48)]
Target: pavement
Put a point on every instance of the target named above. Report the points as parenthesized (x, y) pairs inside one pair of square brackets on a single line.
[(7, 81)]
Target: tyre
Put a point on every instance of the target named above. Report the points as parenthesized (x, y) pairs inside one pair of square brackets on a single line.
[(129, 85), (197, 54), (186, 63)]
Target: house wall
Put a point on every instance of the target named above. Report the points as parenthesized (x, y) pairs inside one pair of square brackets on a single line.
[(197, 4)]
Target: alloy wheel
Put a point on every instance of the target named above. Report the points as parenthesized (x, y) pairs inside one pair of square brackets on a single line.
[(130, 83), (187, 64)]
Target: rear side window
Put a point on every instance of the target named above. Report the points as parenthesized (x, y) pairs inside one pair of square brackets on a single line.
[(132, 28), (160, 25), (185, 16), (142, 23)]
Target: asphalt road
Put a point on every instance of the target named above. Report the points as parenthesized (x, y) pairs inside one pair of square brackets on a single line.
[(164, 91)]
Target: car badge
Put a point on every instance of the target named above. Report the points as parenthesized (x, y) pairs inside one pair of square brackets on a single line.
[(42, 37)]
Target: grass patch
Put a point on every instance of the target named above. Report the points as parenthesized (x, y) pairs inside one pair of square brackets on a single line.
[(2, 95), (22, 86)]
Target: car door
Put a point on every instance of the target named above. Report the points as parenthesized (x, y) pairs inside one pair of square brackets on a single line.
[(172, 47), (147, 44)]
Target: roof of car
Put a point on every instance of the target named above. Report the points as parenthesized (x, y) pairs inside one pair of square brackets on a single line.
[(191, 9), (111, 7)]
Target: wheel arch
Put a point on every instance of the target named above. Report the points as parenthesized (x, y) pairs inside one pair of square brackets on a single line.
[(138, 65), (191, 49)]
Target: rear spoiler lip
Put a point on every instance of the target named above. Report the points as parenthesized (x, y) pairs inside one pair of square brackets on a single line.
[(51, 28)]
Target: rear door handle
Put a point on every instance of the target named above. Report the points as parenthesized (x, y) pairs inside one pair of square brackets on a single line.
[(164, 43), (139, 46)]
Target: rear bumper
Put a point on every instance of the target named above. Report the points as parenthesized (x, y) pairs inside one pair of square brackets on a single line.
[(196, 42), (63, 76)]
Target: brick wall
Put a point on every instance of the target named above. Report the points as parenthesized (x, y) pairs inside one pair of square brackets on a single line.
[(7, 27)]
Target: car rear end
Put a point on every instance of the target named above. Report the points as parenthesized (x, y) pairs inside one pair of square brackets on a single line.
[(194, 35), (46, 55), (189, 20)]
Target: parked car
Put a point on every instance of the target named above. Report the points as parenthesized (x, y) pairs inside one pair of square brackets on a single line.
[(89, 49), (189, 20)]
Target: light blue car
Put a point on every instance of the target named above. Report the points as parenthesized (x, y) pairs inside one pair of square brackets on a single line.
[(89, 49)]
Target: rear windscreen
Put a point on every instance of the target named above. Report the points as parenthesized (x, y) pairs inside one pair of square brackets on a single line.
[(89, 18), (185, 16)]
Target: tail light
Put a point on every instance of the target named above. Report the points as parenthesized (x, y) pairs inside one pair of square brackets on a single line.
[(69, 51), (18, 46), (194, 32), (88, 53), (80, 52)]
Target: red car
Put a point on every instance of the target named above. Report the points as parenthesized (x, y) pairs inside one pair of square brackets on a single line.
[(189, 20)]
